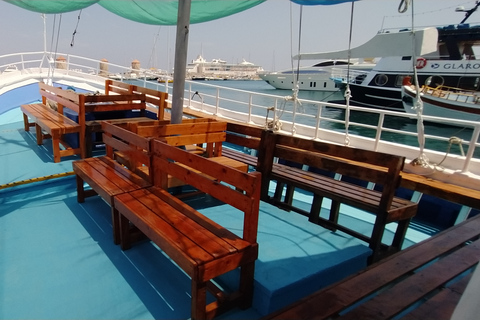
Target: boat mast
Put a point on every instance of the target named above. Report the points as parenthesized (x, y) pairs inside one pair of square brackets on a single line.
[(180, 64), (468, 12)]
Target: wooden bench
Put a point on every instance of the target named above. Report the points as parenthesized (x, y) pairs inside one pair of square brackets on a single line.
[(154, 97), (381, 169), (424, 281), (243, 137), (109, 178), (199, 246), (54, 122), (120, 95), (197, 134)]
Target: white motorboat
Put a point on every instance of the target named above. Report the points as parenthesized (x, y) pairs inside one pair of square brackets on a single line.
[(314, 78)]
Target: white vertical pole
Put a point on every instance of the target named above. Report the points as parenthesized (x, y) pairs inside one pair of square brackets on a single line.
[(180, 64)]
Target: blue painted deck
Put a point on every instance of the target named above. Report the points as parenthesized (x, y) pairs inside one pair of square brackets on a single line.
[(58, 261)]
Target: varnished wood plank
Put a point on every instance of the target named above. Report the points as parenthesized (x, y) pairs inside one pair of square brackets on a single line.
[(397, 298), (201, 234), (181, 249), (225, 234), (439, 189), (442, 304)]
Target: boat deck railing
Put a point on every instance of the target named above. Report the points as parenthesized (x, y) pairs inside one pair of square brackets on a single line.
[(449, 143), (453, 94), (343, 75)]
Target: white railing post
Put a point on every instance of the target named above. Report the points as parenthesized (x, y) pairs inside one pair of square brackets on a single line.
[(378, 134), (317, 122), (217, 104), (471, 148), (250, 106)]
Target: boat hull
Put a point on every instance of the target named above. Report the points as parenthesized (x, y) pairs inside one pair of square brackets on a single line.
[(440, 106)]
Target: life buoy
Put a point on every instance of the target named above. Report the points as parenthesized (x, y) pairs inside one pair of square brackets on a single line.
[(421, 62), (407, 81)]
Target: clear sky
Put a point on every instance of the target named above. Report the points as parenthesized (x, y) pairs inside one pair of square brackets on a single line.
[(262, 35)]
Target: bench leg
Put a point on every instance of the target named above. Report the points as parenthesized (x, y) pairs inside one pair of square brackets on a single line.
[(124, 227), (278, 191), (247, 272), (116, 225), (315, 209), (289, 195), (38, 131), (334, 211), (26, 124), (199, 300), (80, 190), (376, 238), (400, 233), (56, 147)]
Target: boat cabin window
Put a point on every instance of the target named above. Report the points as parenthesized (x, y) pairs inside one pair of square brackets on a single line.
[(467, 51), (469, 83), (443, 51), (435, 81), (331, 63), (406, 58), (399, 80), (381, 80)]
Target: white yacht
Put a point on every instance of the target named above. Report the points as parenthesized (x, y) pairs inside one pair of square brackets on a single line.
[(314, 78), (218, 69)]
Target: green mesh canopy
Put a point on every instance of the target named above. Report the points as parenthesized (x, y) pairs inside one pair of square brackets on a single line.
[(158, 12)]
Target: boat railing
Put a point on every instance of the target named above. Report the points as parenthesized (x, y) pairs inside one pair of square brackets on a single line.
[(452, 93), (374, 129), (381, 130), (45, 61), (343, 75)]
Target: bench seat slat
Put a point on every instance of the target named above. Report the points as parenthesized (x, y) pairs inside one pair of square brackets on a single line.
[(442, 305), (49, 118), (180, 248), (342, 191), (226, 235), (104, 180), (394, 300), (203, 234), (240, 156)]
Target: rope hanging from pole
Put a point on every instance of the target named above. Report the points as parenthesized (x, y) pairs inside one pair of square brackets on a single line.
[(422, 159), (347, 89)]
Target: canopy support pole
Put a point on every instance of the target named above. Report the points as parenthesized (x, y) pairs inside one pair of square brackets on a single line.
[(180, 64)]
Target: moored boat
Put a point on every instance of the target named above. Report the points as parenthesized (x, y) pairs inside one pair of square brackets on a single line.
[(443, 101), (314, 78), (452, 64)]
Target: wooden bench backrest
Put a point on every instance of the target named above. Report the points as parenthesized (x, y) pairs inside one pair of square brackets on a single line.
[(155, 97), (118, 87), (135, 149), (244, 135), (366, 165), (205, 175), (190, 131), (63, 98)]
